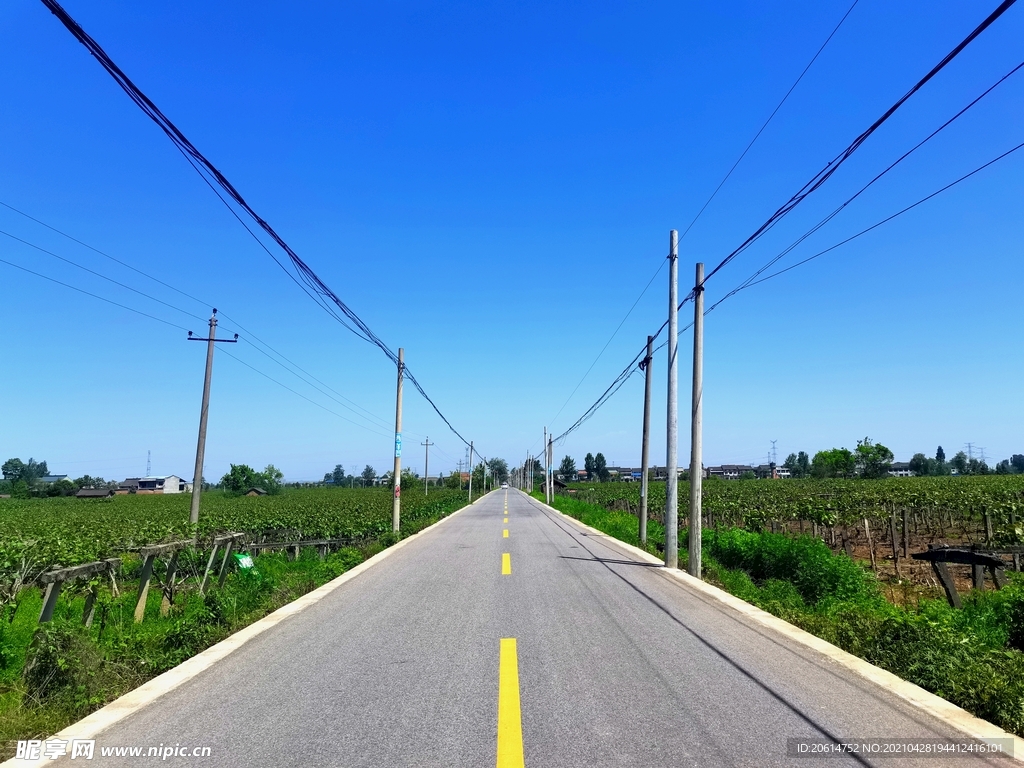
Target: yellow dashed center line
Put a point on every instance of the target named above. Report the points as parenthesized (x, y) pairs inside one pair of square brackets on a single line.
[(504, 534), (506, 519), (506, 564), (510, 722)]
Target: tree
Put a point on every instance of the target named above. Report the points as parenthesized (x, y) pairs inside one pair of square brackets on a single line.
[(601, 467), (369, 475), (798, 464), (87, 481), (567, 469), (940, 455), (271, 478), (837, 462), (874, 460), (62, 487), (959, 463), (499, 470), (478, 477), (976, 467), (338, 475), (588, 466), (1017, 462), (240, 478), (920, 465), (13, 469), (1004, 468)]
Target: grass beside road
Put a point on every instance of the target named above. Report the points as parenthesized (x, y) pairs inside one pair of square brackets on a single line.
[(54, 674), (972, 657)]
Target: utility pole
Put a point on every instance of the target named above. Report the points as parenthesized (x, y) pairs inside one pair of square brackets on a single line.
[(471, 470), (696, 425), (551, 471), (672, 426), (547, 484), (197, 477), (646, 448), (426, 464), (396, 478)]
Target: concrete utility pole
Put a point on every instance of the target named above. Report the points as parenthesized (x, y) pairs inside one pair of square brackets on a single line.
[(396, 478), (672, 426), (645, 450), (547, 484), (471, 470), (551, 471), (197, 477), (426, 464), (696, 418)]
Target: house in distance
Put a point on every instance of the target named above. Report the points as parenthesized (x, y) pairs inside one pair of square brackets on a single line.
[(151, 485)]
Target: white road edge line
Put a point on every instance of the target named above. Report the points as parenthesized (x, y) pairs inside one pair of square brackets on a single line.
[(936, 706), (92, 725)]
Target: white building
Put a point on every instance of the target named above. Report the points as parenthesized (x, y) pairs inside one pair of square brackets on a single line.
[(163, 484)]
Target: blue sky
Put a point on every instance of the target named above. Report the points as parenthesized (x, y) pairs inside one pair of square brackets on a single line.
[(491, 186)]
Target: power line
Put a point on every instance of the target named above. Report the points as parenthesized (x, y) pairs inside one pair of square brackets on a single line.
[(820, 178), (101, 276), (770, 117), (708, 202), (94, 295), (299, 394), (644, 291), (891, 166), (618, 383), (825, 173), (883, 221), (208, 171), (104, 254), (249, 334)]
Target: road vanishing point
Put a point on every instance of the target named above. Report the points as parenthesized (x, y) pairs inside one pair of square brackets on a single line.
[(511, 635)]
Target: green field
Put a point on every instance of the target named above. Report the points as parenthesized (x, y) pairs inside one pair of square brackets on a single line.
[(957, 503), (69, 531)]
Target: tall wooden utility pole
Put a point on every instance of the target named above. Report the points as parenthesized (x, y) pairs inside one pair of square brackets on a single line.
[(197, 476), (471, 470), (696, 417), (671, 456), (396, 478), (645, 450)]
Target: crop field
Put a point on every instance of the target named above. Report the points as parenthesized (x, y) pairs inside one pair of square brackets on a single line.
[(68, 531), (954, 506)]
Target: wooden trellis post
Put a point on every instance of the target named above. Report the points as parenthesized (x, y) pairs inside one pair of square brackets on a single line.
[(149, 556), (54, 581)]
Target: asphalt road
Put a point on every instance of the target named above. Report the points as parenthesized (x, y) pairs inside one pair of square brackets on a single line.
[(617, 665)]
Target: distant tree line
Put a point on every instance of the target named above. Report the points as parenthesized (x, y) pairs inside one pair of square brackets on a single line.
[(23, 479)]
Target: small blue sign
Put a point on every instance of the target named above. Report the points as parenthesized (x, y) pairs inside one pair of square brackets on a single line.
[(398, 445), (637, 475)]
